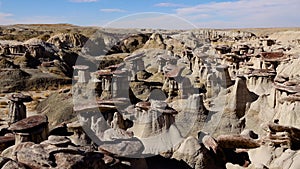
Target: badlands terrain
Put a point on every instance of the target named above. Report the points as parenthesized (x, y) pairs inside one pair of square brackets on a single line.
[(89, 97)]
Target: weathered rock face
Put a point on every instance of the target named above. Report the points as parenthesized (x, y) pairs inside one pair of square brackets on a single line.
[(155, 41), (192, 114), (70, 40), (279, 147), (240, 98), (286, 93), (130, 44), (212, 153)]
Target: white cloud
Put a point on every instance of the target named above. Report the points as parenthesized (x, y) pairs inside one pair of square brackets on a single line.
[(166, 4), (244, 13), (151, 20), (82, 1), (112, 10)]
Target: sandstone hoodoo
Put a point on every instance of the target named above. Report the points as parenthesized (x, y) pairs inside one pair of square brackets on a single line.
[(83, 75), (90, 97), (17, 109), (33, 129)]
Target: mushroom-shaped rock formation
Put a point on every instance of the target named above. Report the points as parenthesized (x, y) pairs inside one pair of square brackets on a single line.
[(135, 63), (33, 128), (83, 74), (17, 110), (152, 119), (280, 135), (260, 80), (19, 97)]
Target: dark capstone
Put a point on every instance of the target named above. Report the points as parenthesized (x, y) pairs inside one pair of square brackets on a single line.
[(29, 123)]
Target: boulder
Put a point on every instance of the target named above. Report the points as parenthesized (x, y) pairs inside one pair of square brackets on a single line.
[(54, 105), (123, 147), (197, 155)]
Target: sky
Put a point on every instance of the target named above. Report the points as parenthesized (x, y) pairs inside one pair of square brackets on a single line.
[(176, 14)]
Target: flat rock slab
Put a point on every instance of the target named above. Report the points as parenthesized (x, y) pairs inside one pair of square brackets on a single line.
[(19, 97), (5, 139), (29, 123), (236, 141)]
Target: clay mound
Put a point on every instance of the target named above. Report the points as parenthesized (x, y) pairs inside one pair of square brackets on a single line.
[(13, 74), (13, 80), (58, 107), (286, 36)]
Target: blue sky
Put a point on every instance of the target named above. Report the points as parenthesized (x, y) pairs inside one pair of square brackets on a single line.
[(154, 13)]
